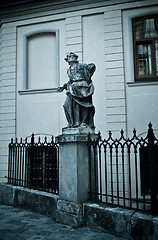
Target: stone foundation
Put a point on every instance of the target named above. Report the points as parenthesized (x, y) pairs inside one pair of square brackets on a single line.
[(34, 200), (121, 222)]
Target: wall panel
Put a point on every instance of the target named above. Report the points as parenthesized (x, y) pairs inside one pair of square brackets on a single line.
[(7, 93)]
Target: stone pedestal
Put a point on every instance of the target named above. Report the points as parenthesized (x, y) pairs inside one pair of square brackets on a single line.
[(73, 165), (73, 172)]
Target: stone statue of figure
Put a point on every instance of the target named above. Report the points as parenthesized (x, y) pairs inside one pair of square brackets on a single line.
[(78, 106)]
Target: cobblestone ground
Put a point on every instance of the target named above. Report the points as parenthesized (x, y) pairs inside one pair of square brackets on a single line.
[(19, 224)]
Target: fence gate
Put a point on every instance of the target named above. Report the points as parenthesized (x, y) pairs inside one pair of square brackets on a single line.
[(34, 164)]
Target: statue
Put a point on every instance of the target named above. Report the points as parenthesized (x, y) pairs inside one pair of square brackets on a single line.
[(78, 106)]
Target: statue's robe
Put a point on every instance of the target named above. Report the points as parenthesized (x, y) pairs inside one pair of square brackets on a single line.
[(79, 109)]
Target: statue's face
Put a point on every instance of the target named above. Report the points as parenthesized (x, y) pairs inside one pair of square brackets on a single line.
[(71, 58)]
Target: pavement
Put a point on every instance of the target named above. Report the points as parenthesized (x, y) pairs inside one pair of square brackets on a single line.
[(20, 224)]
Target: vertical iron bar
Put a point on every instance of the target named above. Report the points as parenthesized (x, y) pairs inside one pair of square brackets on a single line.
[(36, 168), (152, 169), (118, 197), (111, 174), (9, 163), (142, 158), (136, 175), (129, 172), (20, 153), (105, 175), (22, 166), (40, 167), (95, 171), (27, 160), (31, 160), (100, 172), (18, 163), (44, 169), (57, 169), (13, 171), (123, 175), (40, 177), (27, 165), (48, 151)]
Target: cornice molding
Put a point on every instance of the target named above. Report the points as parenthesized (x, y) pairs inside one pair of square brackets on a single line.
[(44, 8)]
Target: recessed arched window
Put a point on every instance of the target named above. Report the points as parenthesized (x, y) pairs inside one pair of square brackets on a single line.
[(41, 60), (145, 38)]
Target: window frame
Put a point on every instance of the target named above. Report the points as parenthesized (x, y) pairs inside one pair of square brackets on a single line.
[(26, 37), (136, 42)]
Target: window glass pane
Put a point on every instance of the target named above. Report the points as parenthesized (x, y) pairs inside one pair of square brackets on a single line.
[(156, 55), (147, 28), (144, 59), (139, 29)]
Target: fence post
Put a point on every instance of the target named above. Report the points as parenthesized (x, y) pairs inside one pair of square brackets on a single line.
[(10, 161), (152, 168), (31, 160)]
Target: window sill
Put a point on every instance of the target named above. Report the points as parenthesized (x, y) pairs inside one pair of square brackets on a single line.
[(36, 91), (137, 84)]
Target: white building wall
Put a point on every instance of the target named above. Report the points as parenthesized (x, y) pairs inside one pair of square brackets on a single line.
[(39, 110), (94, 51), (7, 93), (73, 33), (115, 89), (119, 96)]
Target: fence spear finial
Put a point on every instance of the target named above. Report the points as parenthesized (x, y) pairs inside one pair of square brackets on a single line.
[(134, 132), (32, 139), (150, 125), (122, 132), (99, 135), (45, 140), (110, 134)]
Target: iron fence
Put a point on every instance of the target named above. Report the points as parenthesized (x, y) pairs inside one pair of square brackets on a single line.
[(34, 164), (124, 171)]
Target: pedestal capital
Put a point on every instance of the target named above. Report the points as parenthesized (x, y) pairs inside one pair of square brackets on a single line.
[(78, 130), (68, 138), (79, 134)]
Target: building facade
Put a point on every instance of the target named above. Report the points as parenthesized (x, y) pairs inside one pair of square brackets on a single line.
[(120, 37)]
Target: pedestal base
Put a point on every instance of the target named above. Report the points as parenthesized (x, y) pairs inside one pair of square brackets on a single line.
[(69, 213)]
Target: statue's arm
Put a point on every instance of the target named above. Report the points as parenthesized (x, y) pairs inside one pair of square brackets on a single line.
[(92, 68), (60, 89)]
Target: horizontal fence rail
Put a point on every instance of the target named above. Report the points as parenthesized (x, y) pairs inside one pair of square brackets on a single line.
[(124, 171), (34, 164)]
